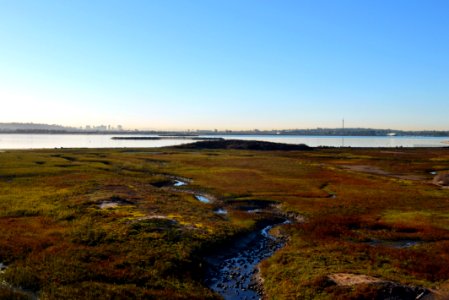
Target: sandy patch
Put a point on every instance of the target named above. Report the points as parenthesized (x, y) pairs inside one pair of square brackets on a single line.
[(347, 279)]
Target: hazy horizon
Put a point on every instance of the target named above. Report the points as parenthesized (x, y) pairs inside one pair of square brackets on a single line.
[(118, 127), (177, 65)]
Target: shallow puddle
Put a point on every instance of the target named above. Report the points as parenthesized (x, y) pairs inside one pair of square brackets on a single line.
[(202, 199), (254, 211), (221, 211), (179, 183)]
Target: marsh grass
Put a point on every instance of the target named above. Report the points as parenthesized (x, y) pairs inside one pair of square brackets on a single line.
[(57, 240)]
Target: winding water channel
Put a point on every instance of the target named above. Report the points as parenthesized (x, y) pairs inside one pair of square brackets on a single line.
[(231, 271)]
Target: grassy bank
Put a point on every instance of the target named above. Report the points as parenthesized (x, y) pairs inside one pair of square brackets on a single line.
[(59, 239)]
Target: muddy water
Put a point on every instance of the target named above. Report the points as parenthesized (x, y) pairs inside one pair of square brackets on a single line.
[(231, 271)]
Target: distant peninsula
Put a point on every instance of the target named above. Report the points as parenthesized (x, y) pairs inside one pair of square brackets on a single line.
[(35, 128)]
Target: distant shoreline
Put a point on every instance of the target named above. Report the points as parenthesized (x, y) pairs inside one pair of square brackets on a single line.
[(157, 134), (34, 128)]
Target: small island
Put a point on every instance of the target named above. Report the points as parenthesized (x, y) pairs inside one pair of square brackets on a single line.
[(166, 137)]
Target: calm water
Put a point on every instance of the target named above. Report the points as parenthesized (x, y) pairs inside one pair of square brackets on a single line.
[(351, 141), (40, 141)]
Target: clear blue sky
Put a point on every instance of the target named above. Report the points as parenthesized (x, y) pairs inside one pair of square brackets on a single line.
[(226, 64)]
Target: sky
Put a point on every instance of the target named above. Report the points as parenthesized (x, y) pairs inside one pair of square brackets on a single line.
[(226, 64)]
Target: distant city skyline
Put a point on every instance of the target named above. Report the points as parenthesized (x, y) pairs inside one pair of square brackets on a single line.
[(30, 128), (237, 65)]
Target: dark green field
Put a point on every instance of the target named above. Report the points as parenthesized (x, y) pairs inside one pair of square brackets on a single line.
[(108, 224)]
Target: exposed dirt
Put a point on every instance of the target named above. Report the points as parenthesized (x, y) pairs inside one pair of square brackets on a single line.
[(149, 217), (347, 279), (114, 202)]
